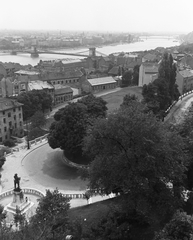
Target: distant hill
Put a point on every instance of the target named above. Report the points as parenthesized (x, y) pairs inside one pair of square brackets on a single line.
[(189, 37)]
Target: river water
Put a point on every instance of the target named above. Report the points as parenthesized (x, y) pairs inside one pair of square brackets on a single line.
[(146, 44)]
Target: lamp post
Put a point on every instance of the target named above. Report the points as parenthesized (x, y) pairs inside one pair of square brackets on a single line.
[(28, 145)]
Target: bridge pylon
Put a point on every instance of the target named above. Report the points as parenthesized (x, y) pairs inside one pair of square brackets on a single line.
[(34, 52), (92, 52)]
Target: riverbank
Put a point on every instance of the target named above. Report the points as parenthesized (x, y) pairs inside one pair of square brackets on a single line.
[(25, 58)]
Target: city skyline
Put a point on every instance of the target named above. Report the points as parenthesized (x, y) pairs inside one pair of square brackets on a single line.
[(102, 15)]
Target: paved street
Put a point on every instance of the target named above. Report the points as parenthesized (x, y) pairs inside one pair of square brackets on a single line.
[(41, 168)]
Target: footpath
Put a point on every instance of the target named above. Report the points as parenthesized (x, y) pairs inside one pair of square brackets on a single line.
[(14, 164)]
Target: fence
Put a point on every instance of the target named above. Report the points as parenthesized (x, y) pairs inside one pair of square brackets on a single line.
[(25, 190), (38, 193), (174, 103)]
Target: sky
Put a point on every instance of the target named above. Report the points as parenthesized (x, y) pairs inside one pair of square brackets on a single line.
[(98, 15)]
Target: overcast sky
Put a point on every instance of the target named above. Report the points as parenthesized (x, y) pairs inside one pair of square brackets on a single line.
[(98, 15)]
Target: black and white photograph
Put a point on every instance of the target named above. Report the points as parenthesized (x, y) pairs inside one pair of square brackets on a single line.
[(96, 120)]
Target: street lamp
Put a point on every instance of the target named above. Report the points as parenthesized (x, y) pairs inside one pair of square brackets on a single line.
[(28, 145)]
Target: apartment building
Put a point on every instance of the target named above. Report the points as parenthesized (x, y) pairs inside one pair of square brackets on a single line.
[(11, 119)]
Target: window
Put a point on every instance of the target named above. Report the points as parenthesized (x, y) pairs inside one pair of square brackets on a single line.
[(19, 108), (14, 117), (9, 114), (15, 125), (5, 136), (20, 115), (20, 123), (4, 120), (5, 129), (10, 123), (3, 112), (14, 110)]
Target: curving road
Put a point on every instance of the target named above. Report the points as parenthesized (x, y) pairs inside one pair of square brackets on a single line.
[(45, 166)]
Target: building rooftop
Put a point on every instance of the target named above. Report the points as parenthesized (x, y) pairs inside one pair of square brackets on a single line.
[(150, 67), (10, 65), (25, 72), (39, 85), (7, 103), (100, 81)]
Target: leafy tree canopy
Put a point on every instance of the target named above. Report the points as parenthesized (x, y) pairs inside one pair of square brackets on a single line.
[(128, 99), (38, 120), (180, 227), (159, 94), (127, 78), (71, 122), (134, 153), (34, 101), (52, 213), (96, 106)]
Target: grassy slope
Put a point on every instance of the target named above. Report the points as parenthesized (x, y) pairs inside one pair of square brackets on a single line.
[(94, 212), (116, 98)]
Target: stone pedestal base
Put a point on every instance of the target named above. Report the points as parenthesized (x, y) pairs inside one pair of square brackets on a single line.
[(18, 202)]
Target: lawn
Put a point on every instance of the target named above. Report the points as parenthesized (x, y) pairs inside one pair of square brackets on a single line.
[(115, 99), (90, 214)]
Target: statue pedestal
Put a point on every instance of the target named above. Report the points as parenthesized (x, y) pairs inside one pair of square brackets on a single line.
[(18, 202)]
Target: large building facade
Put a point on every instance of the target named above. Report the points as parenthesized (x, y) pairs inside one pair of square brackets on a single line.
[(11, 119), (148, 72)]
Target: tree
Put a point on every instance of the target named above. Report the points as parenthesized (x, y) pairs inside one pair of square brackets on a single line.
[(51, 216), (128, 99), (70, 125), (134, 153), (127, 78), (38, 120), (19, 218), (180, 227), (2, 215), (167, 71), (35, 100), (69, 128), (136, 75), (159, 94), (96, 106)]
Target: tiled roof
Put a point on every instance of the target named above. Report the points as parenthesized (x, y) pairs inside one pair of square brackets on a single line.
[(100, 81), (150, 57), (114, 70), (150, 67), (74, 73), (10, 65), (7, 103)]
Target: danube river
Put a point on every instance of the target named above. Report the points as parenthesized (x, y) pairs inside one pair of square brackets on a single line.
[(145, 44)]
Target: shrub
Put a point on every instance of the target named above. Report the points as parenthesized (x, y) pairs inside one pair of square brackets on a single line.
[(9, 143)]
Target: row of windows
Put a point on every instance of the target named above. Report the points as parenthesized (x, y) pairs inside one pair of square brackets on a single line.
[(10, 125), (63, 98), (6, 137), (14, 110), (4, 119), (104, 86), (66, 81)]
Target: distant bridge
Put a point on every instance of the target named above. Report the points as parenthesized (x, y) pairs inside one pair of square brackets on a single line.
[(35, 53)]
